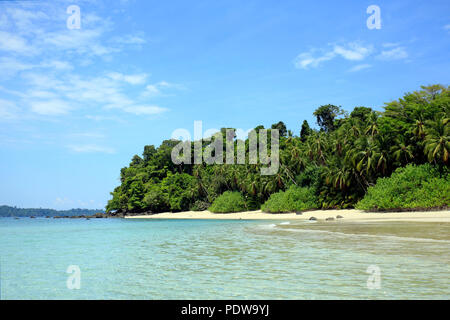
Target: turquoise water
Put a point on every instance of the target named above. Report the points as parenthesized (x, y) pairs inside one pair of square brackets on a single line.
[(217, 259)]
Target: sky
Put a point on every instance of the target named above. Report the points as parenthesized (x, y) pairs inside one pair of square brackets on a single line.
[(77, 103)]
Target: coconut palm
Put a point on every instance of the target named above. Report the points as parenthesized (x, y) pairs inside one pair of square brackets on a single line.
[(401, 151), (437, 140)]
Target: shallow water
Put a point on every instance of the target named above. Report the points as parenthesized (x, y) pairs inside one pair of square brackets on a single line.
[(218, 259)]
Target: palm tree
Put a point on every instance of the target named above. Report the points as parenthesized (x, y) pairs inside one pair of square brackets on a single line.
[(373, 124), (365, 158), (338, 176), (402, 152), (419, 129), (437, 140)]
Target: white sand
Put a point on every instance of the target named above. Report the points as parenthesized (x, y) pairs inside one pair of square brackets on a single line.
[(348, 215)]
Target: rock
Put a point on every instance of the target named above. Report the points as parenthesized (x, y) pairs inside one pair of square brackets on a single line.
[(313, 219), (299, 213), (329, 219), (339, 217), (32, 217)]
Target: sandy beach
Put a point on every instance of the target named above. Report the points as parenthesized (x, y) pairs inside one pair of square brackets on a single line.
[(347, 215)]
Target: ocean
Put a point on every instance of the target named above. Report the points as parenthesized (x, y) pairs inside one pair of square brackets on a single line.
[(222, 259)]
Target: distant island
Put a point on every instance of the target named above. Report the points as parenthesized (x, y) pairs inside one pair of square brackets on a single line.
[(8, 211)]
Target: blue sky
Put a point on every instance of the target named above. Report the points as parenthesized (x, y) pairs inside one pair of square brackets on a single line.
[(77, 104)]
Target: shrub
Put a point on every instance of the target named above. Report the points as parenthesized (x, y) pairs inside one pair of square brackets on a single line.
[(293, 199), (200, 205), (408, 188), (228, 202)]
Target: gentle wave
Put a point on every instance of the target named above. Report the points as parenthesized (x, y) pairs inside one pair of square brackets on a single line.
[(366, 235)]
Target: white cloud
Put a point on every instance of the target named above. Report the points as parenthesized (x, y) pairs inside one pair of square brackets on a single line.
[(393, 54), (50, 107), (46, 94), (447, 27), (8, 110), (32, 47), (11, 66), (131, 79), (130, 40), (152, 90), (390, 44), (145, 110), (90, 148), (306, 59), (352, 51), (91, 135), (360, 67), (57, 65), (23, 19), (14, 43)]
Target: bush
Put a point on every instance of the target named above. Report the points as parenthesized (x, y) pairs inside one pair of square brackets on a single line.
[(228, 202), (409, 188), (200, 205), (293, 199)]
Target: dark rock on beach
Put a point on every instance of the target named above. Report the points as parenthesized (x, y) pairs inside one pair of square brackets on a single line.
[(329, 219), (299, 213), (313, 219), (339, 217)]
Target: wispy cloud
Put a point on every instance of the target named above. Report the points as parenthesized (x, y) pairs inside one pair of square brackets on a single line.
[(352, 51), (90, 148), (8, 110), (50, 95), (396, 53), (50, 107), (13, 43), (131, 79), (145, 110), (360, 67)]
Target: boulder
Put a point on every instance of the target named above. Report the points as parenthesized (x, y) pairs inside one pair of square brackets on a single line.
[(313, 219), (329, 219)]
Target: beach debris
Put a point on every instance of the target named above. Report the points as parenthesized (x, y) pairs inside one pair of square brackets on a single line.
[(313, 219), (339, 217), (329, 219)]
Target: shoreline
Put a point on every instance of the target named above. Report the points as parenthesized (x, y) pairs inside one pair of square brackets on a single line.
[(320, 215)]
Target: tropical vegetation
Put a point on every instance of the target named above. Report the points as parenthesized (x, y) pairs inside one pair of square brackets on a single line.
[(331, 166)]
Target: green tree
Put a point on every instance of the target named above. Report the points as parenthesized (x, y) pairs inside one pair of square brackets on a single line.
[(305, 131), (326, 116)]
